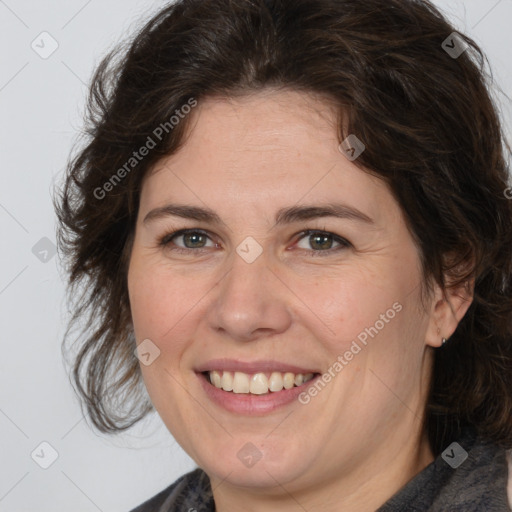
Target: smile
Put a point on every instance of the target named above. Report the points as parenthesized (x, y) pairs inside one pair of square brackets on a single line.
[(258, 383)]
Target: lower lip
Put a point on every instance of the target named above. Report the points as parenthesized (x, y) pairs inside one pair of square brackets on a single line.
[(249, 404)]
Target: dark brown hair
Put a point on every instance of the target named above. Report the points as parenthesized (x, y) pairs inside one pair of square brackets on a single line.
[(431, 131)]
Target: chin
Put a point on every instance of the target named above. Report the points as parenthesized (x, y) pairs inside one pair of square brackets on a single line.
[(241, 467)]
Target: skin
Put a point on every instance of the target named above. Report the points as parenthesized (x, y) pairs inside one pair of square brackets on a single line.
[(361, 438)]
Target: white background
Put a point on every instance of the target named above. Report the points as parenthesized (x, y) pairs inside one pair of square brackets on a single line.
[(41, 105)]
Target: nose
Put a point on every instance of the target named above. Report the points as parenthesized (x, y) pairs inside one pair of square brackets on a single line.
[(251, 302)]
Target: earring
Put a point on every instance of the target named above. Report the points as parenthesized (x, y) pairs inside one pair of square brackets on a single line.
[(444, 340)]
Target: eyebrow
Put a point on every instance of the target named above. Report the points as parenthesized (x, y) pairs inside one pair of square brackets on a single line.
[(284, 215)]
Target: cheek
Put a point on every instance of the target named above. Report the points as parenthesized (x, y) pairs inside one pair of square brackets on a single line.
[(353, 302), (158, 300), (167, 308), (162, 310), (147, 303)]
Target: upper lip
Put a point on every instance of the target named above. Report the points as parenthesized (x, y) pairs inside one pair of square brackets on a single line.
[(262, 366)]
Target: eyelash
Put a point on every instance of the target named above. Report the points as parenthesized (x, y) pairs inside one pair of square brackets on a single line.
[(168, 237)]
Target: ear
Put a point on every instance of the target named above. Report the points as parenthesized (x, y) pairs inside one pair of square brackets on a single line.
[(448, 307)]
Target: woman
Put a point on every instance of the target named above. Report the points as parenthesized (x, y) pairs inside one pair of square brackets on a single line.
[(292, 220)]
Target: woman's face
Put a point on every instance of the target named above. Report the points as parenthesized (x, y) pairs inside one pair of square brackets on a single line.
[(247, 291)]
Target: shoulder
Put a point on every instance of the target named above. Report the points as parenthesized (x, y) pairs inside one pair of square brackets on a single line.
[(191, 491), (480, 482), (470, 475)]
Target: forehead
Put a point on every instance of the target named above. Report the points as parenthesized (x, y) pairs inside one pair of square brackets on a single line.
[(273, 146)]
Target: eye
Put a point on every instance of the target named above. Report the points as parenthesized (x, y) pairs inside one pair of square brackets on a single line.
[(196, 239), (192, 239), (322, 241)]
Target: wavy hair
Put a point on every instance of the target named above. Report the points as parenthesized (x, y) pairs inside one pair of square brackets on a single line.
[(432, 132)]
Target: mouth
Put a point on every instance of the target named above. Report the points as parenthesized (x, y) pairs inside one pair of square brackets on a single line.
[(253, 388), (260, 383)]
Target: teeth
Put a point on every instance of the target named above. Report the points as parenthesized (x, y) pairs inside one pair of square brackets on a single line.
[(240, 383), (275, 383), (226, 382), (216, 379), (258, 383), (288, 380)]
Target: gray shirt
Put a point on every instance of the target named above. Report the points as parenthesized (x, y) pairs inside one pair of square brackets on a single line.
[(449, 484)]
